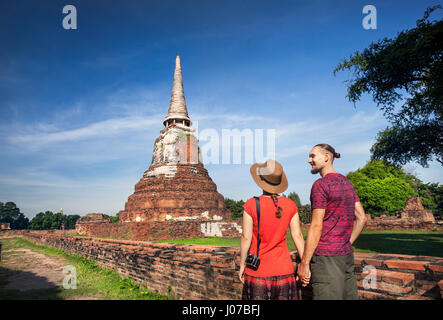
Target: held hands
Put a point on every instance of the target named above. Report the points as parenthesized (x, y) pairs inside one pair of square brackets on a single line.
[(304, 273)]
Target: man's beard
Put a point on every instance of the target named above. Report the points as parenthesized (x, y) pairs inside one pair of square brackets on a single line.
[(315, 170)]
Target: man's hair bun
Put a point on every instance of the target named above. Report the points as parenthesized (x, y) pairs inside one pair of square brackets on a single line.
[(328, 148)]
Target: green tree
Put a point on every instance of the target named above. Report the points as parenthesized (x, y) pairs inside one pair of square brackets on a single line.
[(115, 218), (383, 188), (47, 221), (70, 220), (405, 77), (294, 197), (9, 213), (236, 207), (304, 211), (431, 196)]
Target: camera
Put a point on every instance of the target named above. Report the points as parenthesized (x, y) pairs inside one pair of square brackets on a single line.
[(252, 261)]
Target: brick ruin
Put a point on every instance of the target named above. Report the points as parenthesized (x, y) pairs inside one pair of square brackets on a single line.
[(413, 216), (5, 226), (175, 197)]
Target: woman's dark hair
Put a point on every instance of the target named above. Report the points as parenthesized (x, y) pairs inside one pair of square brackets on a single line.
[(329, 148)]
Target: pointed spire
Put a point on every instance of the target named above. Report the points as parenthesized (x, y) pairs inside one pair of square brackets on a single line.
[(177, 105)]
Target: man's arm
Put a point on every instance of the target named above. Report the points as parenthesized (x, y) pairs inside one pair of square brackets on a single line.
[(312, 239), (359, 223)]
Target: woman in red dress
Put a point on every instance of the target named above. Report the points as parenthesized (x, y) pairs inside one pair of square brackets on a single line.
[(274, 278)]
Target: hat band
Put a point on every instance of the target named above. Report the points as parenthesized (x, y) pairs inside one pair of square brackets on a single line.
[(268, 182)]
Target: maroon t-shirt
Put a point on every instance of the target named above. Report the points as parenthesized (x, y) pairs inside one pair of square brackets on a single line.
[(337, 196)]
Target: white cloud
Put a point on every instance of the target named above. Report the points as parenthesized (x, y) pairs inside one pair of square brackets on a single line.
[(106, 128)]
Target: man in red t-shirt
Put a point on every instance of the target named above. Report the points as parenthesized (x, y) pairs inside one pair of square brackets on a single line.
[(337, 220)]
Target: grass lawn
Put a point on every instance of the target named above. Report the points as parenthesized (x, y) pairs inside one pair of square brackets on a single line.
[(93, 282), (413, 242)]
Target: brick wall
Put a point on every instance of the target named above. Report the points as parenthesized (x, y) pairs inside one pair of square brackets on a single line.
[(145, 231), (210, 272)]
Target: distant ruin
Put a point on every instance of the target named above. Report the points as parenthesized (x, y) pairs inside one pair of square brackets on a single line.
[(5, 226), (413, 216)]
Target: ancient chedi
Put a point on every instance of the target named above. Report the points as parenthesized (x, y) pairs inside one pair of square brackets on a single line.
[(176, 187)]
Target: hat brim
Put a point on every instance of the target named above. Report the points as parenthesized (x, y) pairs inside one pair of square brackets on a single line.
[(281, 187)]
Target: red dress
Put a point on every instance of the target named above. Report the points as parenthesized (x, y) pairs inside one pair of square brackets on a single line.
[(274, 278)]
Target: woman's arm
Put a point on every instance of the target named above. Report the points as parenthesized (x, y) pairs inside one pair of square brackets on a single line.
[(297, 235), (246, 240)]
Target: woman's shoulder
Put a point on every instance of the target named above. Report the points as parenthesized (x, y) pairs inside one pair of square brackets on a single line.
[(250, 205), (287, 202), (285, 199)]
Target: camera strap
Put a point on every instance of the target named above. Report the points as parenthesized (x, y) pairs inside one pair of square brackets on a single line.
[(257, 203)]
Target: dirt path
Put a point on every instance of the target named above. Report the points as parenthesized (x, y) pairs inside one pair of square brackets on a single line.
[(32, 270), (23, 270)]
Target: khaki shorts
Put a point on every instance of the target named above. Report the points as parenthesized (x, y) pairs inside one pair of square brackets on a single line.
[(333, 278)]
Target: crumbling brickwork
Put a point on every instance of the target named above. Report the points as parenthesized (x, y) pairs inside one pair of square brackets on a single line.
[(413, 216), (160, 230), (189, 194), (211, 272)]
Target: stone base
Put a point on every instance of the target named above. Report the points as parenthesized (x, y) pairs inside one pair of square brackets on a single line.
[(175, 192)]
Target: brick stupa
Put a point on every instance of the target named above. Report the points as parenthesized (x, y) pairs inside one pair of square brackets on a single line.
[(176, 187)]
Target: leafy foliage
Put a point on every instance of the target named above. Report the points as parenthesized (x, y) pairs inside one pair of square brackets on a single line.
[(305, 213), (9, 213), (383, 188), (303, 210), (405, 77), (114, 219), (294, 197), (236, 207), (70, 221), (49, 220)]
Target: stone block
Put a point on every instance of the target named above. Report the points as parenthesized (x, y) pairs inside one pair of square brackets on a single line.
[(406, 264)]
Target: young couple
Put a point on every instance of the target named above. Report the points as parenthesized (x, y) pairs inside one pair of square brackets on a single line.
[(327, 259)]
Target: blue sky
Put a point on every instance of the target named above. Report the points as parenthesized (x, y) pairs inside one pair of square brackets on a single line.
[(80, 109)]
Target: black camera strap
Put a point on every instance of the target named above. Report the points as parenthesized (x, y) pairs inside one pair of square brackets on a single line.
[(257, 204)]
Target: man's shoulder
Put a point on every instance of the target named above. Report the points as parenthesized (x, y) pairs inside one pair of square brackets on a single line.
[(331, 177)]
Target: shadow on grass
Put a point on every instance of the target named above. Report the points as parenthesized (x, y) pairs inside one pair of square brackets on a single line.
[(26, 285), (425, 244)]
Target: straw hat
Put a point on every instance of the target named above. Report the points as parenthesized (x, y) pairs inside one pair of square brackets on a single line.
[(269, 176)]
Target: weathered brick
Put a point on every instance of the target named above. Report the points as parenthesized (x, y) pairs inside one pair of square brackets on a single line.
[(436, 267), (406, 264), (394, 277), (369, 295), (220, 265), (374, 262), (415, 297), (393, 289)]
